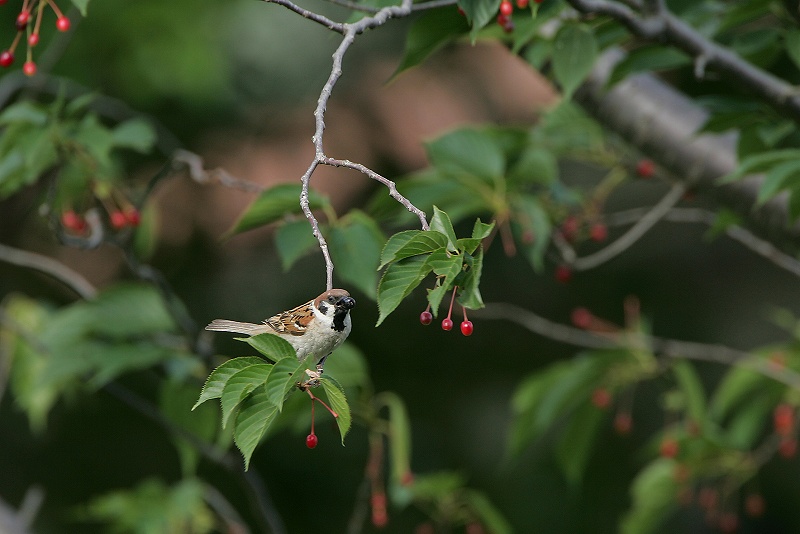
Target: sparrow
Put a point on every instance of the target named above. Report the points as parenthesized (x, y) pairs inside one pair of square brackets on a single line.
[(315, 328)]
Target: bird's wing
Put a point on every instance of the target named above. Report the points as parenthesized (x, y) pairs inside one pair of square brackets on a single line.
[(293, 322)]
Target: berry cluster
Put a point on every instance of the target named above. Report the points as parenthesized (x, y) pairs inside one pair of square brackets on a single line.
[(29, 22), (426, 317), (119, 210), (507, 9)]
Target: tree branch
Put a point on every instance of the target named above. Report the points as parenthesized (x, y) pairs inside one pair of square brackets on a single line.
[(72, 279)]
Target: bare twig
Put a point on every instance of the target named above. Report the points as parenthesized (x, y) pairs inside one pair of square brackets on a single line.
[(193, 164), (310, 15), (349, 32), (72, 279), (670, 348)]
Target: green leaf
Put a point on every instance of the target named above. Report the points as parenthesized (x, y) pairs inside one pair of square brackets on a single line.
[(746, 425), (25, 112), (285, 374), (349, 366), (397, 282), (294, 239), (215, 383), (355, 244), (792, 47), (534, 222), (447, 265), (576, 443), (654, 494), (175, 402), (411, 243), (692, 390), (648, 58), (467, 152), (430, 32), (479, 13), (481, 230), (338, 403), (487, 513), (275, 203), (240, 385), (535, 165), (97, 140), (252, 422), (724, 219), (470, 294), (273, 347), (135, 134), (574, 52), (440, 222), (761, 162), (777, 178), (399, 435), (82, 6)]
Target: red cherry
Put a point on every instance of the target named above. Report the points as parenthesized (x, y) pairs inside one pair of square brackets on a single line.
[(754, 505), (669, 448), (788, 448), (378, 504), (645, 168), (311, 441), (118, 220), (6, 58), (62, 24), (522, 4), (22, 20), (570, 227), (502, 20), (132, 217), (466, 328), (783, 419), (598, 232), (506, 9), (33, 39), (601, 398), (623, 423), (426, 317), (581, 317), (73, 221), (563, 273), (447, 324), (538, 1), (29, 68)]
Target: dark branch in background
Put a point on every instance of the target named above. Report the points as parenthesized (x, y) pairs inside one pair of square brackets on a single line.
[(349, 31), (664, 27), (72, 279), (662, 122)]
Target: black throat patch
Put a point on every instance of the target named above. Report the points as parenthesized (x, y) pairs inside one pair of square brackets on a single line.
[(338, 320)]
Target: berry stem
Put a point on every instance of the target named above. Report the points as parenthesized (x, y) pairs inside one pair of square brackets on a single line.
[(38, 23), (452, 300), (312, 414), (52, 4), (315, 398)]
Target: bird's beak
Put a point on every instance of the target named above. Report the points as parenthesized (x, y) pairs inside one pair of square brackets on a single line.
[(346, 303)]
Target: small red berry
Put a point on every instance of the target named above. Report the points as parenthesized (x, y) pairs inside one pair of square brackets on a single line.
[(581, 318), (522, 4), (6, 58), (508, 27), (466, 328), (783, 419), (788, 448), (22, 20), (623, 423), (62, 24), (462, 12), (426, 317), (118, 220), (570, 227), (538, 1), (132, 217), (378, 504), (645, 168), (754, 505), (502, 20), (29, 68), (3, 2), (506, 9), (72, 221), (563, 273), (601, 398), (311, 441), (447, 324), (33, 39), (669, 448), (598, 232)]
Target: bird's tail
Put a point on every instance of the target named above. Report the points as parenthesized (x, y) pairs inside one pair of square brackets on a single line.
[(250, 329)]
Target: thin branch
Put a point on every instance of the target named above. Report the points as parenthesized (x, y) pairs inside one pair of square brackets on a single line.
[(193, 163), (338, 27), (664, 27), (666, 347), (72, 279)]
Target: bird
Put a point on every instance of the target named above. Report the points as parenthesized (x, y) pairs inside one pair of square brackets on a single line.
[(315, 328)]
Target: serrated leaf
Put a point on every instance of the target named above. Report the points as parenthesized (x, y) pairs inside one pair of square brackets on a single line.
[(252, 422), (411, 243), (82, 6), (273, 347), (215, 383), (535, 165), (692, 390), (470, 294), (429, 33), (338, 403), (355, 244), (240, 385), (440, 222), (776, 179), (481, 230), (24, 112), (467, 152), (135, 134), (275, 203), (654, 494), (435, 297), (294, 239), (760, 162), (398, 281), (285, 374), (479, 13), (447, 265), (574, 52)]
